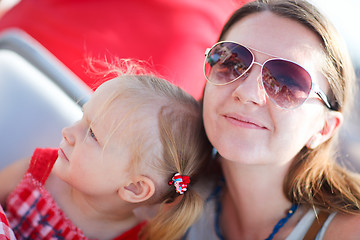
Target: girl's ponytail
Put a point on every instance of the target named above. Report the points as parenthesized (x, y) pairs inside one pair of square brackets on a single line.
[(171, 223)]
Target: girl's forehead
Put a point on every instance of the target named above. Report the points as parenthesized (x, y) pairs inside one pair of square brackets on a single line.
[(121, 111), (105, 95)]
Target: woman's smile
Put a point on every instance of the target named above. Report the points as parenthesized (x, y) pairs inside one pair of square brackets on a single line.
[(243, 122)]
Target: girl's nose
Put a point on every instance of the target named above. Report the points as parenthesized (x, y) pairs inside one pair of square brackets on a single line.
[(249, 88), (68, 134)]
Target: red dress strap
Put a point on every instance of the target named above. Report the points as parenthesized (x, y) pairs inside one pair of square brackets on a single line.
[(42, 162), (133, 233)]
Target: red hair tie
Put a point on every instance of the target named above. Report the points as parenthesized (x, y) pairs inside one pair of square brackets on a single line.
[(180, 183)]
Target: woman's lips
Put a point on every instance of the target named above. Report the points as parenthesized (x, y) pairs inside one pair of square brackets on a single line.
[(62, 154), (243, 122)]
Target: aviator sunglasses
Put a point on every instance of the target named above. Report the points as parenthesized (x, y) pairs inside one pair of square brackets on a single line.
[(286, 83)]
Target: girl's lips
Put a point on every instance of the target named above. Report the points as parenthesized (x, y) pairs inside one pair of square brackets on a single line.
[(243, 122), (62, 155)]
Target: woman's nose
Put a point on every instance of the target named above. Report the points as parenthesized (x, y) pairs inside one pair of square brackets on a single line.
[(249, 88)]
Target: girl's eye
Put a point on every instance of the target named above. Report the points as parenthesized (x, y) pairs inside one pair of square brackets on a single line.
[(91, 133)]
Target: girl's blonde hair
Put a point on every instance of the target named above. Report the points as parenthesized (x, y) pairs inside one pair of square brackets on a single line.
[(315, 177), (178, 145)]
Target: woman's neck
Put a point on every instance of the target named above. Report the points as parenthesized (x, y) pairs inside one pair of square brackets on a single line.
[(253, 201)]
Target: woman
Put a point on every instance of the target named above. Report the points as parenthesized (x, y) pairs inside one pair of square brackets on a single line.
[(279, 83)]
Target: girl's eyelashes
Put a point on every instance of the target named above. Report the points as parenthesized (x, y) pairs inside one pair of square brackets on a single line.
[(91, 133)]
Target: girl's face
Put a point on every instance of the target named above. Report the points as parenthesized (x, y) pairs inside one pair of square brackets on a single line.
[(241, 122), (94, 158)]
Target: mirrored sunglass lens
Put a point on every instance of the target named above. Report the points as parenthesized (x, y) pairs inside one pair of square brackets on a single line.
[(226, 62), (286, 83)]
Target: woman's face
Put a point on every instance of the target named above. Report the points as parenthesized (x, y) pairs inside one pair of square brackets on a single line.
[(241, 122)]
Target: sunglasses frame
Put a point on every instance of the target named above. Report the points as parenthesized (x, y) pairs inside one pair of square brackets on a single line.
[(314, 86)]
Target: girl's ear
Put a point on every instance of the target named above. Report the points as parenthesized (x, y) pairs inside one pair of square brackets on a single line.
[(139, 190), (333, 121)]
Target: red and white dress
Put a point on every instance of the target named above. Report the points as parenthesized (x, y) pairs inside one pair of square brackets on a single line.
[(6, 232), (34, 214)]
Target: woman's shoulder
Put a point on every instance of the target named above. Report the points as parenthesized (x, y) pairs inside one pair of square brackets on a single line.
[(344, 226)]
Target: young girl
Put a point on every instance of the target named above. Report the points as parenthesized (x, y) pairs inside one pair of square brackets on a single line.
[(140, 142)]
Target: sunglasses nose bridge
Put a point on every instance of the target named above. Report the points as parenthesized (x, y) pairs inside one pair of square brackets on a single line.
[(259, 64), (261, 69), (259, 77), (246, 90), (261, 89)]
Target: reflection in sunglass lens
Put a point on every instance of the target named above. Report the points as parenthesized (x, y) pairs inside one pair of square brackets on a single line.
[(226, 62), (286, 83)]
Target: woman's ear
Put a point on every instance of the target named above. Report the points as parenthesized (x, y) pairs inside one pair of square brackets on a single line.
[(333, 120), (138, 190)]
